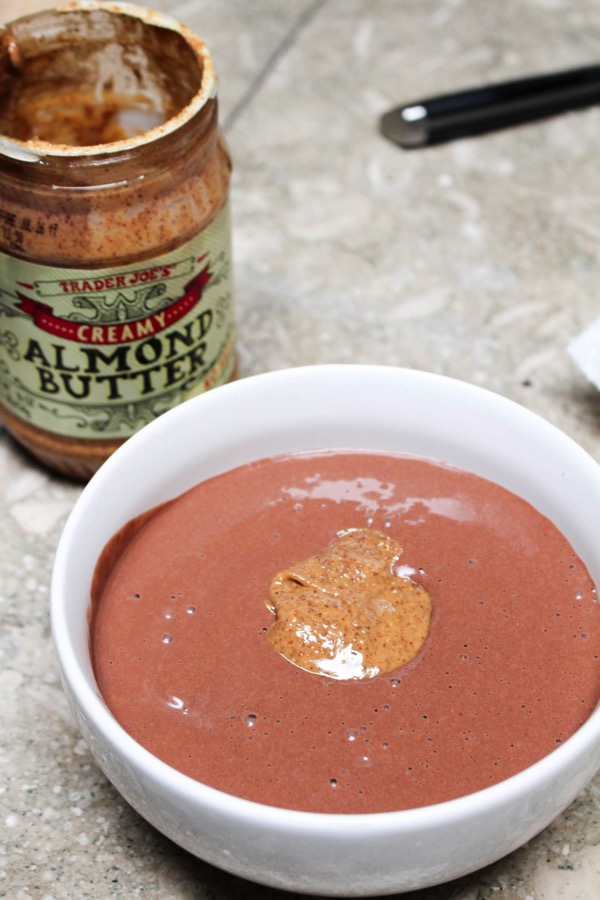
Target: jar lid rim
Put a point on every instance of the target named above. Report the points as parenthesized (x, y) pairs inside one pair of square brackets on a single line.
[(34, 150)]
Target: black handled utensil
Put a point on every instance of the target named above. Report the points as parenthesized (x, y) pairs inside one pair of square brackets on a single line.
[(479, 110)]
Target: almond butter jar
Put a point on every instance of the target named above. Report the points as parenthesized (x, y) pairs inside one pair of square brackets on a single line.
[(115, 257)]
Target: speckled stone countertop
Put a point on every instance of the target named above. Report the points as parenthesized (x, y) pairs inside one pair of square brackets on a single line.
[(478, 259)]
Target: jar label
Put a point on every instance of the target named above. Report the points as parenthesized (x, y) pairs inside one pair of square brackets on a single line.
[(96, 354)]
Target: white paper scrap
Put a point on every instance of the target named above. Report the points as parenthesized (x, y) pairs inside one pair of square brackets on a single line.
[(585, 350)]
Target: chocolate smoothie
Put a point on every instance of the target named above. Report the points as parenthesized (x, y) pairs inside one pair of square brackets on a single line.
[(507, 671)]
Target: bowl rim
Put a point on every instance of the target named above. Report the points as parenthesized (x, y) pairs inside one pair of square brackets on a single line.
[(75, 680)]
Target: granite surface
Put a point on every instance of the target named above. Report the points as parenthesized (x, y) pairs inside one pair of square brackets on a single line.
[(478, 259)]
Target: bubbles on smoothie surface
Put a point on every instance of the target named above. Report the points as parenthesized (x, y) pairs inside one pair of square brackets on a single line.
[(345, 613)]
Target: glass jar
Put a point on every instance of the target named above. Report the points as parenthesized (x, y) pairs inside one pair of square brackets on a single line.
[(115, 257)]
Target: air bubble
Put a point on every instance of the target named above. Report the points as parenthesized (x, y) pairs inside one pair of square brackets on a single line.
[(403, 571), (579, 595), (136, 597), (298, 506), (176, 703), (250, 719), (369, 521), (168, 614), (333, 782), (394, 682), (191, 610), (167, 638), (352, 734), (387, 523)]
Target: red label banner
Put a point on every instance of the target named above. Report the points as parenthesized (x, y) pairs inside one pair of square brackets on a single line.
[(120, 332)]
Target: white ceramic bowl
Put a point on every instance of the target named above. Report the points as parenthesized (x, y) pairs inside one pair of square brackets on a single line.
[(327, 407)]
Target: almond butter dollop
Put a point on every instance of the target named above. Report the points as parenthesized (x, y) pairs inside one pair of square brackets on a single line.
[(344, 613)]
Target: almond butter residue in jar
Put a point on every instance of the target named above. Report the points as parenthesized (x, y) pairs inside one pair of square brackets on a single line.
[(115, 239)]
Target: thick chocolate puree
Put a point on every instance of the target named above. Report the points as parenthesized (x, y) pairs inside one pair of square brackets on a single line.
[(508, 671)]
